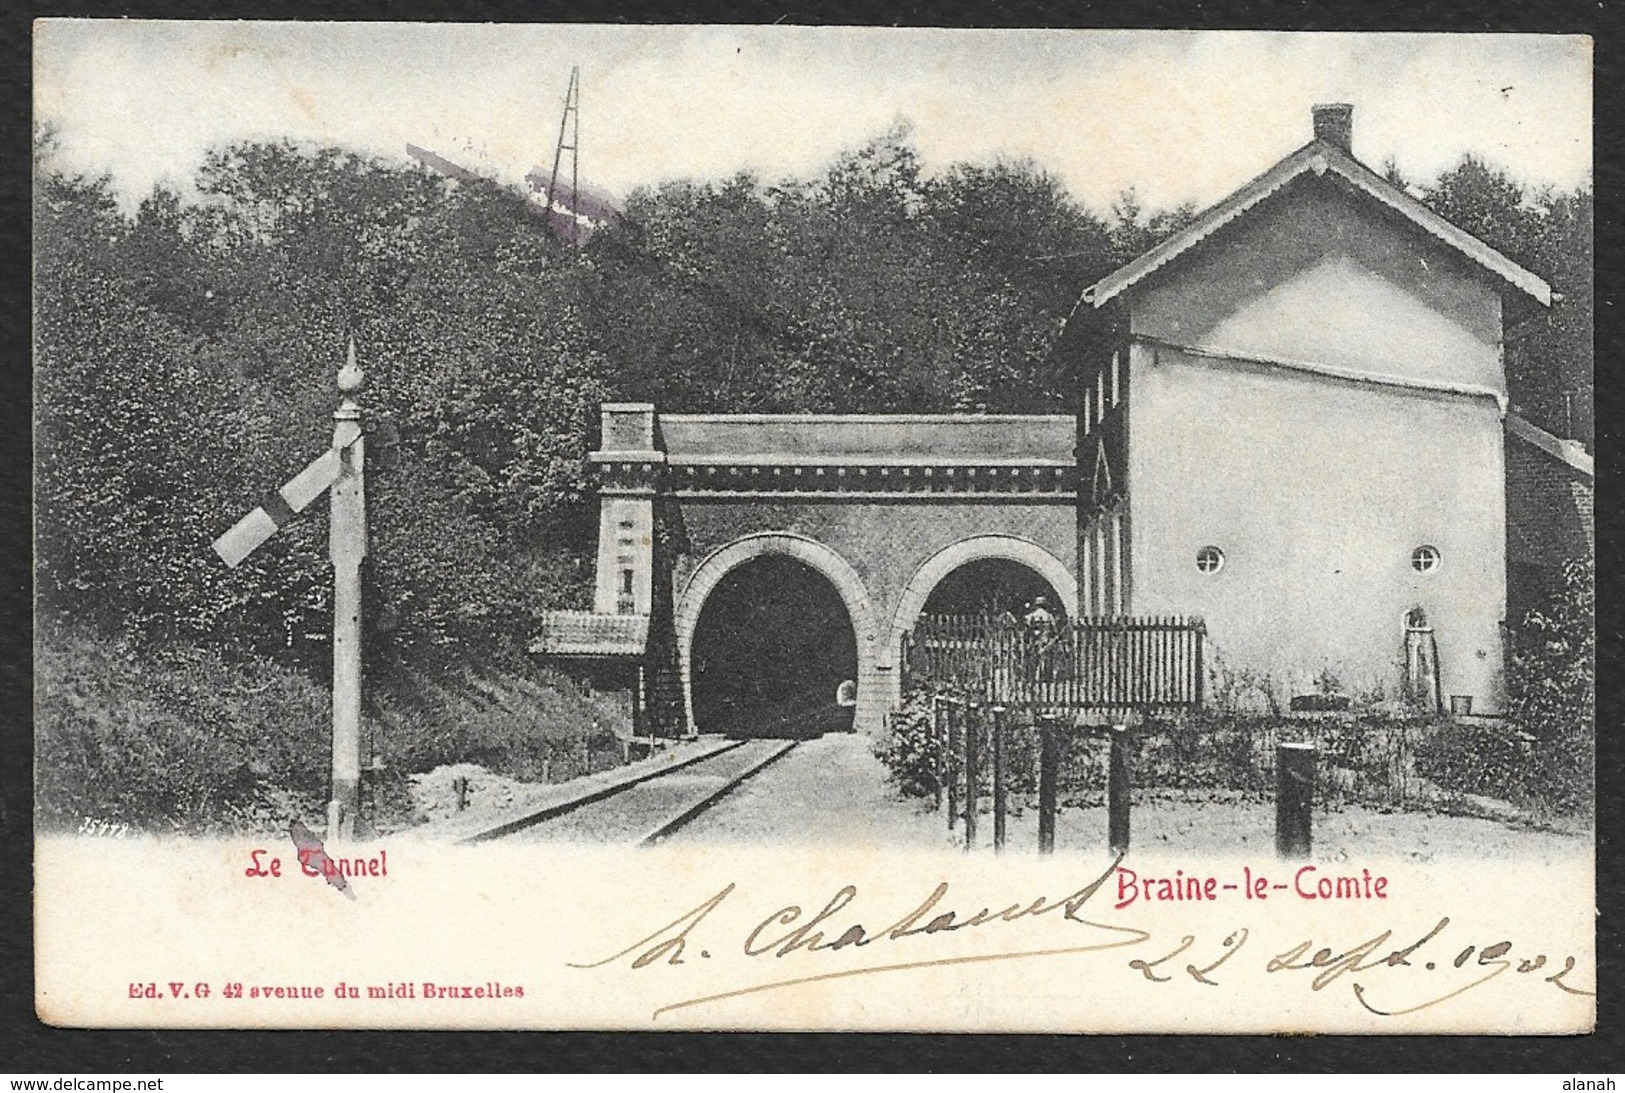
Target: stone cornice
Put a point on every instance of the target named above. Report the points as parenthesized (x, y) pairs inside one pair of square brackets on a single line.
[(877, 462), (629, 473), (853, 477), (991, 479)]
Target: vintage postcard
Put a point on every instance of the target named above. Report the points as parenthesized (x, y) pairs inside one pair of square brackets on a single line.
[(644, 527)]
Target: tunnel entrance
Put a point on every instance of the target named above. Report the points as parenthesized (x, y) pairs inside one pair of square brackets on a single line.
[(773, 644), (996, 587)]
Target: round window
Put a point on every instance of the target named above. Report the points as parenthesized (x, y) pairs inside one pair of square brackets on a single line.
[(1210, 559), (1425, 559)]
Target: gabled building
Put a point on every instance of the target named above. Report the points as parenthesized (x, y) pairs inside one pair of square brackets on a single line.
[(1294, 422)]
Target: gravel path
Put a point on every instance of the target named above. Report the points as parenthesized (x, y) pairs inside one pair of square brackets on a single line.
[(834, 790), (831, 789), (1238, 827)]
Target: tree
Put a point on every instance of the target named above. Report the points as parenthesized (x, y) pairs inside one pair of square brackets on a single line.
[(1549, 351), (186, 359), (1016, 252), (1135, 229), (125, 428), (869, 287)]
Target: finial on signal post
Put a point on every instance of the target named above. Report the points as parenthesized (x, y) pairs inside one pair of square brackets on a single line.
[(350, 376)]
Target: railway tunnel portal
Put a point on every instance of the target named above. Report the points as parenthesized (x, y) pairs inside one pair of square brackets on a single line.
[(760, 571)]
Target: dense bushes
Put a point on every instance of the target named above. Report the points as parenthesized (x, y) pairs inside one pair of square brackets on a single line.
[(520, 726), (1542, 758), (1484, 760), (183, 739), (1365, 757), (173, 740), (909, 749), (1552, 684)]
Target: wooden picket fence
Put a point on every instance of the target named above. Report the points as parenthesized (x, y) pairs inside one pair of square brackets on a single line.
[(1075, 664)]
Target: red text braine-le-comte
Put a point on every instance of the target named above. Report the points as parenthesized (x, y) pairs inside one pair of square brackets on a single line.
[(1306, 884)]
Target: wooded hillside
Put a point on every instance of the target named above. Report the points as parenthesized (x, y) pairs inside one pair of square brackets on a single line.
[(185, 356)]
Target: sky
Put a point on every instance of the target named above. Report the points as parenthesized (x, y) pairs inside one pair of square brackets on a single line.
[(1180, 116)]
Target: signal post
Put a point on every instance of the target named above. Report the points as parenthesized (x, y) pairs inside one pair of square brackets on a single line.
[(347, 546), (339, 471)]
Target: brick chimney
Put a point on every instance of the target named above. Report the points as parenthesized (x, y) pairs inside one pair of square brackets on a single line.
[(1334, 124)]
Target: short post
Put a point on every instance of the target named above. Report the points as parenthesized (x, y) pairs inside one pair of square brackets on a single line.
[(1000, 791), (973, 773), (1049, 763), (951, 777), (1117, 789), (347, 546), (1294, 799)]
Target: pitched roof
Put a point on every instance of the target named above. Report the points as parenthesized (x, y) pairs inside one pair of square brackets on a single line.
[(1320, 159), (586, 634)]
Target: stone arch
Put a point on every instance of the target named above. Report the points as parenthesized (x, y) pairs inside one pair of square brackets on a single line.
[(1011, 548), (872, 700)]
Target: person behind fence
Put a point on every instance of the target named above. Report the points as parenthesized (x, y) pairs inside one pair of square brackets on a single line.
[(1039, 623)]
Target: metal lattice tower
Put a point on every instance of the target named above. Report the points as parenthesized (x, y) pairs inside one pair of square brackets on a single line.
[(572, 110)]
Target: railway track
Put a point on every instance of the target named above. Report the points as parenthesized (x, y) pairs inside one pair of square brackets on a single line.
[(644, 812)]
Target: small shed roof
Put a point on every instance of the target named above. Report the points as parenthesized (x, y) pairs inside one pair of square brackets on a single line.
[(587, 634)]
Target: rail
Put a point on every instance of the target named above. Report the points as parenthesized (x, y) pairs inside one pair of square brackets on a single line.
[(650, 808)]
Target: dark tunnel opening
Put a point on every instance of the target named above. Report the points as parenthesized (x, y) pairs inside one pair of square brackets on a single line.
[(773, 644)]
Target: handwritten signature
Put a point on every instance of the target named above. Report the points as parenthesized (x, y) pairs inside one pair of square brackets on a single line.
[(790, 932)]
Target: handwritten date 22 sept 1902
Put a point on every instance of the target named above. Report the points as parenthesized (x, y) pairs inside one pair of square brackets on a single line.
[(1370, 968)]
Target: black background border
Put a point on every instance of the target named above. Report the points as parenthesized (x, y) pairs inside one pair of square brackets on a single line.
[(51, 1052)]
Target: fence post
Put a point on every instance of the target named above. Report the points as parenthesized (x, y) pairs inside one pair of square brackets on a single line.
[(1048, 773), (973, 773), (1294, 798), (939, 752), (1117, 790), (1000, 793), (950, 778), (1201, 675)]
